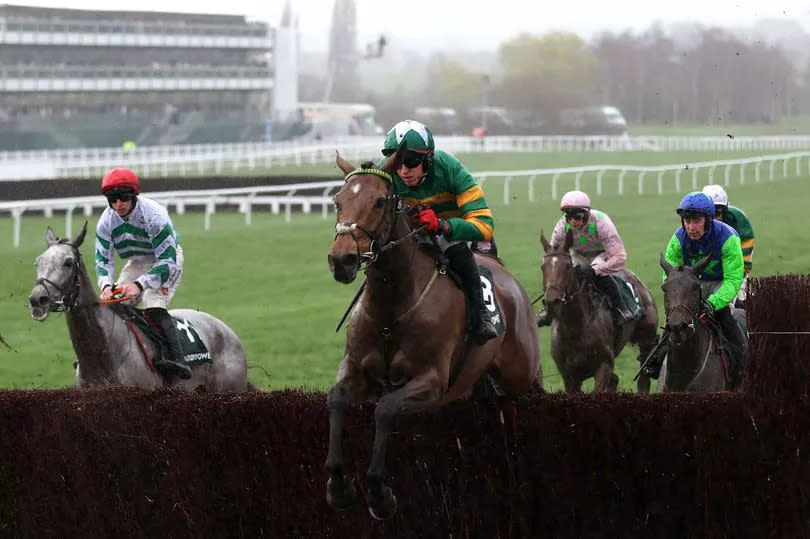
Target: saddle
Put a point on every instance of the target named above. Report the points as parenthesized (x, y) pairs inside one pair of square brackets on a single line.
[(487, 282), (143, 327)]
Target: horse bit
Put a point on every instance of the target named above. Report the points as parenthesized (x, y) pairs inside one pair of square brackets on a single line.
[(67, 301)]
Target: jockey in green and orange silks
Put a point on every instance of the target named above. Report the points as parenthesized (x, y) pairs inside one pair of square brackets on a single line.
[(455, 207)]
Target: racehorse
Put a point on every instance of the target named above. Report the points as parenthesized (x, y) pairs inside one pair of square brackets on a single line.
[(406, 348), (692, 363), (108, 352), (584, 338)]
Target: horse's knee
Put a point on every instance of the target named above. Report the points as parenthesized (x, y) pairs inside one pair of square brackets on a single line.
[(386, 410), (337, 396)]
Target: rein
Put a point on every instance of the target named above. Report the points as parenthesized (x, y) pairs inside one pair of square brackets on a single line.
[(67, 301)]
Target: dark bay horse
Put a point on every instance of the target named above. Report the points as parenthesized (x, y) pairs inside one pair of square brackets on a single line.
[(692, 362), (108, 352), (585, 340), (405, 344)]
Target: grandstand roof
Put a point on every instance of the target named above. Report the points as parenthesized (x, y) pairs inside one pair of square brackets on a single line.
[(94, 15)]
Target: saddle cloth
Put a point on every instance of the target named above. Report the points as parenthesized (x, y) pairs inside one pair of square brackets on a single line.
[(194, 350)]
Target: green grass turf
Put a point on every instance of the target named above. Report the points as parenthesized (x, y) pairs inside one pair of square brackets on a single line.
[(270, 282)]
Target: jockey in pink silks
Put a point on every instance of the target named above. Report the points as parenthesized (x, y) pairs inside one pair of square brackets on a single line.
[(598, 253)]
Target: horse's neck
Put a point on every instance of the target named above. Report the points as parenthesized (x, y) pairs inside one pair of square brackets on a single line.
[(684, 362), (580, 307), (400, 273), (89, 327)]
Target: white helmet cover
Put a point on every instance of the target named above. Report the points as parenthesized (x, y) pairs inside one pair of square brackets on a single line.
[(717, 194)]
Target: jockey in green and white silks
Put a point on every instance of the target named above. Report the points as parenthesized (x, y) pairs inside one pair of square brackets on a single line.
[(455, 207), (142, 233), (147, 241)]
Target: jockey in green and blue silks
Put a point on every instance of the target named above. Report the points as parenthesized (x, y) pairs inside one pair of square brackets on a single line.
[(454, 207), (701, 235)]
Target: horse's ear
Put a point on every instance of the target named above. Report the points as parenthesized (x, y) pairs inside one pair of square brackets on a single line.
[(544, 241), (77, 241), (342, 164), (698, 268), (50, 237), (664, 264), (394, 161), (569, 240)]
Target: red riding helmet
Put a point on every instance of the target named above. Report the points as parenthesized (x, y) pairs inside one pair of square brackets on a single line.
[(120, 178)]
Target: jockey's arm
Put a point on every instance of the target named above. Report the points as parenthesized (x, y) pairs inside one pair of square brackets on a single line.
[(614, 248), (476, 222), (732, 260), (673, 254), (105, 257), (164, 243)]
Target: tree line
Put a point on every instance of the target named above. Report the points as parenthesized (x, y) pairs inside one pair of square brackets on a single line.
[(708, 76)]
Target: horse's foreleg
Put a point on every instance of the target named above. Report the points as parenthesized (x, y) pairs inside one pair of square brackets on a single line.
[(417, 395), (606, 379), (340, 490)]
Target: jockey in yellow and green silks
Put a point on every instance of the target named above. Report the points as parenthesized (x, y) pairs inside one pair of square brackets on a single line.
[(738, 220), (455, 207)]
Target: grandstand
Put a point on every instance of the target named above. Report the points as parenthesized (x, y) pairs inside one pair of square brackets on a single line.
[(80, 78)]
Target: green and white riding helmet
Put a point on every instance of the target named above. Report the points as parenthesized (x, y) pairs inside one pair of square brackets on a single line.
[(415, 134)]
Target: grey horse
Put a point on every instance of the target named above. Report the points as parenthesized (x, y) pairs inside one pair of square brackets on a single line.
[(107, 350)]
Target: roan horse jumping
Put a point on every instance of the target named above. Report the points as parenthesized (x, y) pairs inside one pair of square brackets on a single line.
[(108, 352), (585, 340), (405, 345), (693, 361)]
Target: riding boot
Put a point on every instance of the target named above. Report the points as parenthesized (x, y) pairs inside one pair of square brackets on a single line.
[(463, 262), (543, 319), (610, 287), (173, 365), (736, 344)]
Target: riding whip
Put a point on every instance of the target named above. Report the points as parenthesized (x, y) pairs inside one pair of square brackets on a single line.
[(351, 305), (658, 345)]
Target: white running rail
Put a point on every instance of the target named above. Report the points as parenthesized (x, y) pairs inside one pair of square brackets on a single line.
[(287, 196), (200, 159)]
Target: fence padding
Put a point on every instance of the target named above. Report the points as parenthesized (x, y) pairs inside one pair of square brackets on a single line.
[(131, 463)]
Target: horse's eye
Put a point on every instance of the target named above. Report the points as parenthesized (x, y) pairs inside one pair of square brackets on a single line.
[(380, 203)]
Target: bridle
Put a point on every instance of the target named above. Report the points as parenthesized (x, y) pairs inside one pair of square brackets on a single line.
[(379, 239), (688, 313), (68, 298), (567, 295)]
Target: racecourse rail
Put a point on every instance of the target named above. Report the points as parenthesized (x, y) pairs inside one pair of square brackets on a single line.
[(198, 159), (245, 198)]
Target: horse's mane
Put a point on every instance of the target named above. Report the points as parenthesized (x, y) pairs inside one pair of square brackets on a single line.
[(369, 164)]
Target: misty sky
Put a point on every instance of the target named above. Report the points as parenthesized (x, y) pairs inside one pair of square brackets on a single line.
[(470, 24)]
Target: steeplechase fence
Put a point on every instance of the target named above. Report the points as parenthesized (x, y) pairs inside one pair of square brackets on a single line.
[(130, 463)]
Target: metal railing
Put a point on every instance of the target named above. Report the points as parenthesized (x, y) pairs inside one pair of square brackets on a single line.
[(197, 159), (287, 196)]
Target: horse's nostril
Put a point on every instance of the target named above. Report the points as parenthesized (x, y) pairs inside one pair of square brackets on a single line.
[(350, 260)]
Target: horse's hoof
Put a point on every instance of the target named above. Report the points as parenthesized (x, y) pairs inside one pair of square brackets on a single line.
[(384, 507), (340, 494)]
